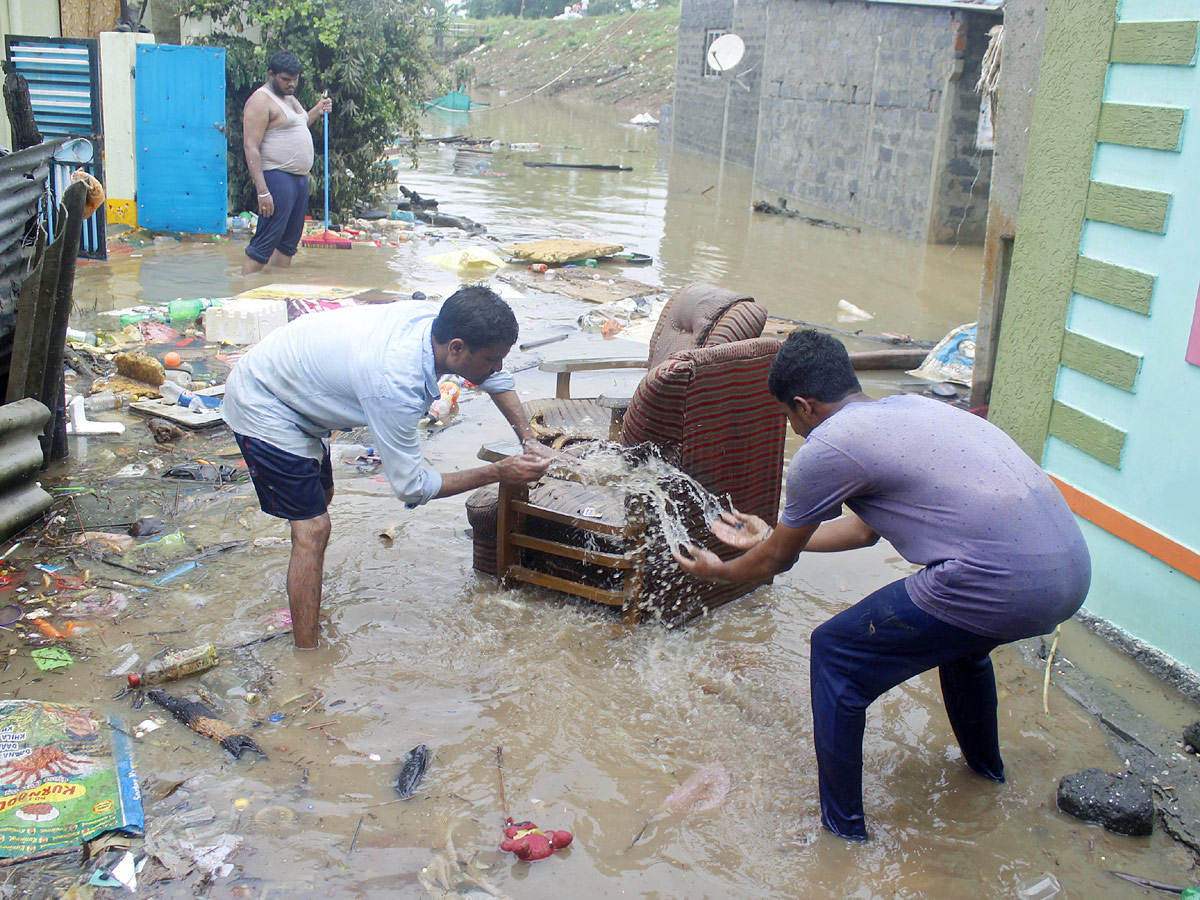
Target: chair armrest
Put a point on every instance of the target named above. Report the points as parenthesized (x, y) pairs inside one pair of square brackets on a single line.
[(498, 450), (614, 401), (564, 367)]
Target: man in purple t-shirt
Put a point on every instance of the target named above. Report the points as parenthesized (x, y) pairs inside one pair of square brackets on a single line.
[(1003, 556)]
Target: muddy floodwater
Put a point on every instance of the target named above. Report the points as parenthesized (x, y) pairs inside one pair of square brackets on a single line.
[(598, 723)]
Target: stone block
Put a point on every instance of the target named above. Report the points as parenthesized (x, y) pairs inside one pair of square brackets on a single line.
[(1120, 803)]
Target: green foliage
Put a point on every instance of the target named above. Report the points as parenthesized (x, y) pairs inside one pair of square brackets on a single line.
[(372, 57)]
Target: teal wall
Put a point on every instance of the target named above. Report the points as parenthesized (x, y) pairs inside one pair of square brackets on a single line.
[(1157, 480)]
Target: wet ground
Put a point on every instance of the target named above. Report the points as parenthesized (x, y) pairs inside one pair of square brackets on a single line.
[(598, 723)]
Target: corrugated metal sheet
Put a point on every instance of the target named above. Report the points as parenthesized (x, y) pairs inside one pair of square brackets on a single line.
[(64, 91), (21, 499), (22, 185)]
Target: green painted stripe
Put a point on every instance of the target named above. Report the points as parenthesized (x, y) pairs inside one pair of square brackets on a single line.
[(1156, 127), (1131, 207), (1102, 361), (1126, 288), (1156, 43), (1087, 433)]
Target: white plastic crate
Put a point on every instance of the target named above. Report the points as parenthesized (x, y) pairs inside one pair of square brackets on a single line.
[(244, 321)]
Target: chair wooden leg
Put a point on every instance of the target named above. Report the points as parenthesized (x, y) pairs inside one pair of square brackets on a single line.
[(508, 520)]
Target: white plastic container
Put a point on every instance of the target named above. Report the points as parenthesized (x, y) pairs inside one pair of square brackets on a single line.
[(244, 321)]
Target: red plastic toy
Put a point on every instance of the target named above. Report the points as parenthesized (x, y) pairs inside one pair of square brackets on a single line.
[(530, 843)]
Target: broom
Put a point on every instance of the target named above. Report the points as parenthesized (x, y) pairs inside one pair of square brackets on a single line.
[(329, 240)]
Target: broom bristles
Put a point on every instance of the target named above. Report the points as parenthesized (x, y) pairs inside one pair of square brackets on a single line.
[(327, 240)]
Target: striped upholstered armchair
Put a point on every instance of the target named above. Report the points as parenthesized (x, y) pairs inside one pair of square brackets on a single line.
[(706, 411), (697, 315)]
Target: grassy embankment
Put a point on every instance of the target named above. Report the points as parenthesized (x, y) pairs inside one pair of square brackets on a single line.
[(622, 60)]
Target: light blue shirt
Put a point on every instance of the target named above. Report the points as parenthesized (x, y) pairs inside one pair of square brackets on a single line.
[(342, 369)]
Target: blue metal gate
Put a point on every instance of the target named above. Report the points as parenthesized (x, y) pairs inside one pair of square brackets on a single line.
[(181, 147), (64, 90)]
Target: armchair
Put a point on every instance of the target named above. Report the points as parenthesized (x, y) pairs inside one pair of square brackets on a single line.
[(697, 315), (708, 414)]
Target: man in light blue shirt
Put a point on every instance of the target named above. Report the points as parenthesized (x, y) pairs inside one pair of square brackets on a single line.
[(376, 366)]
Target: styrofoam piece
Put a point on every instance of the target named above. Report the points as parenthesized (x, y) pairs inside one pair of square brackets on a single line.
[(244, 320), (77, 420)]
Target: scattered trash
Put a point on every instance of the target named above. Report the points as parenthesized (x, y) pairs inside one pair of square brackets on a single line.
[(468, 261), (179, 664), (596, 167), (202, 720), (412, 771), (65, 774), (104, 540), (175, 573), (952, 358), (165, 432), (79, 424), (211, 858), (762, 206), (1191, 892), (446, 405), (389, 533), (123, 874), (203, 470), (557, 251), (542, 342), (147, 526), (140, 367), (704, 790), (848, 312), (529, 843), (50, 658), (1044, 887), (643, 119)]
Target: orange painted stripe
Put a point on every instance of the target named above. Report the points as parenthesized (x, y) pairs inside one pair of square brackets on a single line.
[(1158, 545)]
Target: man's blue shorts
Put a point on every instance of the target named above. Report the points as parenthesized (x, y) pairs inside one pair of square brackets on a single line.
[(289, 486), (282, 230)]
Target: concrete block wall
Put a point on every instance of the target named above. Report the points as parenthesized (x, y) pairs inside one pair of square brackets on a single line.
[(855, 114), (699, 105), (960, 205)]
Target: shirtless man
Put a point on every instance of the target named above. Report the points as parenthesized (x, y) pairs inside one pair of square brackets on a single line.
[(279, 153)]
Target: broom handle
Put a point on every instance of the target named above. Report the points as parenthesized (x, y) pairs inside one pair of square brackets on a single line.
[(326, 130)]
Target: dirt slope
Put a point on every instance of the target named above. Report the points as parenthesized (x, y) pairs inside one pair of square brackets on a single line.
[(622, 60)]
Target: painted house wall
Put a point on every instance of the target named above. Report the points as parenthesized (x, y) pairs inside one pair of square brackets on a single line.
[(1091, 374)]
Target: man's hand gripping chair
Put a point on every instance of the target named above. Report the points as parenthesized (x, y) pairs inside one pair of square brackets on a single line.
[(708, 413)]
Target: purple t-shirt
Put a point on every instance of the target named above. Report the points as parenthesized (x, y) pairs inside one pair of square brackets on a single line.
[(1002, 552)]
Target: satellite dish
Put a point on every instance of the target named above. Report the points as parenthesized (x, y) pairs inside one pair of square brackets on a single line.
[(725, 52)]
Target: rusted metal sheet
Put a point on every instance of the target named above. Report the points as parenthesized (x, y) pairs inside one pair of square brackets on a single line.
[(22, 185), (21, 498)]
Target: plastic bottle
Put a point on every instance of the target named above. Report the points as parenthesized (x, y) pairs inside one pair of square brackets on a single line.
[(187, 310), (176, 665), (104, 400), (179, 376), (85, 337), (171, 392), (538, 267)]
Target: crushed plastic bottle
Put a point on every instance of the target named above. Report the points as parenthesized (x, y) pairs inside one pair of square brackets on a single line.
[(446, 405), (177, 665), (104, 400)]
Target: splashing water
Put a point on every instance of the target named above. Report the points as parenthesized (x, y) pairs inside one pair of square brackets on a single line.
[(675, 499)]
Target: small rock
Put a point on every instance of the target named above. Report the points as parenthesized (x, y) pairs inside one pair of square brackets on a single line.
[(1118, 802), (147, 525), (1191, 734)]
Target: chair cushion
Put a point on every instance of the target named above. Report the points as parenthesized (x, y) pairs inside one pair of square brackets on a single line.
[(710, 413), (691, 315)]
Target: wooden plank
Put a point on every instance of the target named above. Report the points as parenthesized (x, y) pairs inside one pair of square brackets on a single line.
[(1087, 433), (869, 360), (1126, 288), (564, 519), (1135, 125), (1155, 43), (597, 595), (508, 521), (1101, 361), (594, 557), (1137, 208)]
